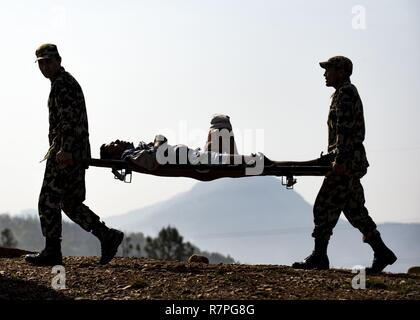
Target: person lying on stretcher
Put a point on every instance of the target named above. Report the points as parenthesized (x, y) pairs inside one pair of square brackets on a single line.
[(220, 148)]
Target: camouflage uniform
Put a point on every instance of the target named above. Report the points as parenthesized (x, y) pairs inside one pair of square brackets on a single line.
[(64, 189), (341, 189), (346, 133)]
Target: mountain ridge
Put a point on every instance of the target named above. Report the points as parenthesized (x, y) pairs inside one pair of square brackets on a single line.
[(256, 220)]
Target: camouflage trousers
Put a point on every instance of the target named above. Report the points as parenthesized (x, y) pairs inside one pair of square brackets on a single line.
[(64, 189), (341, 194)]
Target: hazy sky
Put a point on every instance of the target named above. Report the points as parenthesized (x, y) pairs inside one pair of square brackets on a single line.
[(149, 67)]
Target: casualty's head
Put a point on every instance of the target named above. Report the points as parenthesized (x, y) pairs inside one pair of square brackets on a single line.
[(115, 149), (49, 60), (338, 69)]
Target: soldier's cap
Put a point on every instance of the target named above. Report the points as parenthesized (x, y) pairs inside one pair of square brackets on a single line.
[(46, 51), (338, 62)]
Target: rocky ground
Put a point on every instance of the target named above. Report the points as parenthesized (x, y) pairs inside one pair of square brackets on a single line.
[(140, 278)]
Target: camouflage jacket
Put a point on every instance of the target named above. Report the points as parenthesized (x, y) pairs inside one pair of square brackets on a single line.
[(68, 129), (346, 129)]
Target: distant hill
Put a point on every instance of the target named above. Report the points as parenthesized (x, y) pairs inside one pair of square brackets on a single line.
[(77, 242), (27, 231), (223, 206), (256, 220)]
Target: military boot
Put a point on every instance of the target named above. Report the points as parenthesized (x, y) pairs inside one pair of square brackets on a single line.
[(110, 241), (50, 256), (318, 259), (383, 256)]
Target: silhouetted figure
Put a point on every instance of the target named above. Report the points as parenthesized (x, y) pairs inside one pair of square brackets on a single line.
[(341, 190), (63, 187)]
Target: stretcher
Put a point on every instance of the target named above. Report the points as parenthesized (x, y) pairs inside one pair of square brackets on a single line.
[(123, 169)]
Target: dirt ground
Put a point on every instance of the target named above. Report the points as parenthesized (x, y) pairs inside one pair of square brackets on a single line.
[(141, 278)]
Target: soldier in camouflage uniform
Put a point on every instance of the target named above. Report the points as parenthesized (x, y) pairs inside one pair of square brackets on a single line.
[(63, 187), (341, 190)]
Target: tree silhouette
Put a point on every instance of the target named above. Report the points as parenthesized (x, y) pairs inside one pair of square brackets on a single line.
[(138, 249), (168, 245), (127, 247), (8, 239)]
